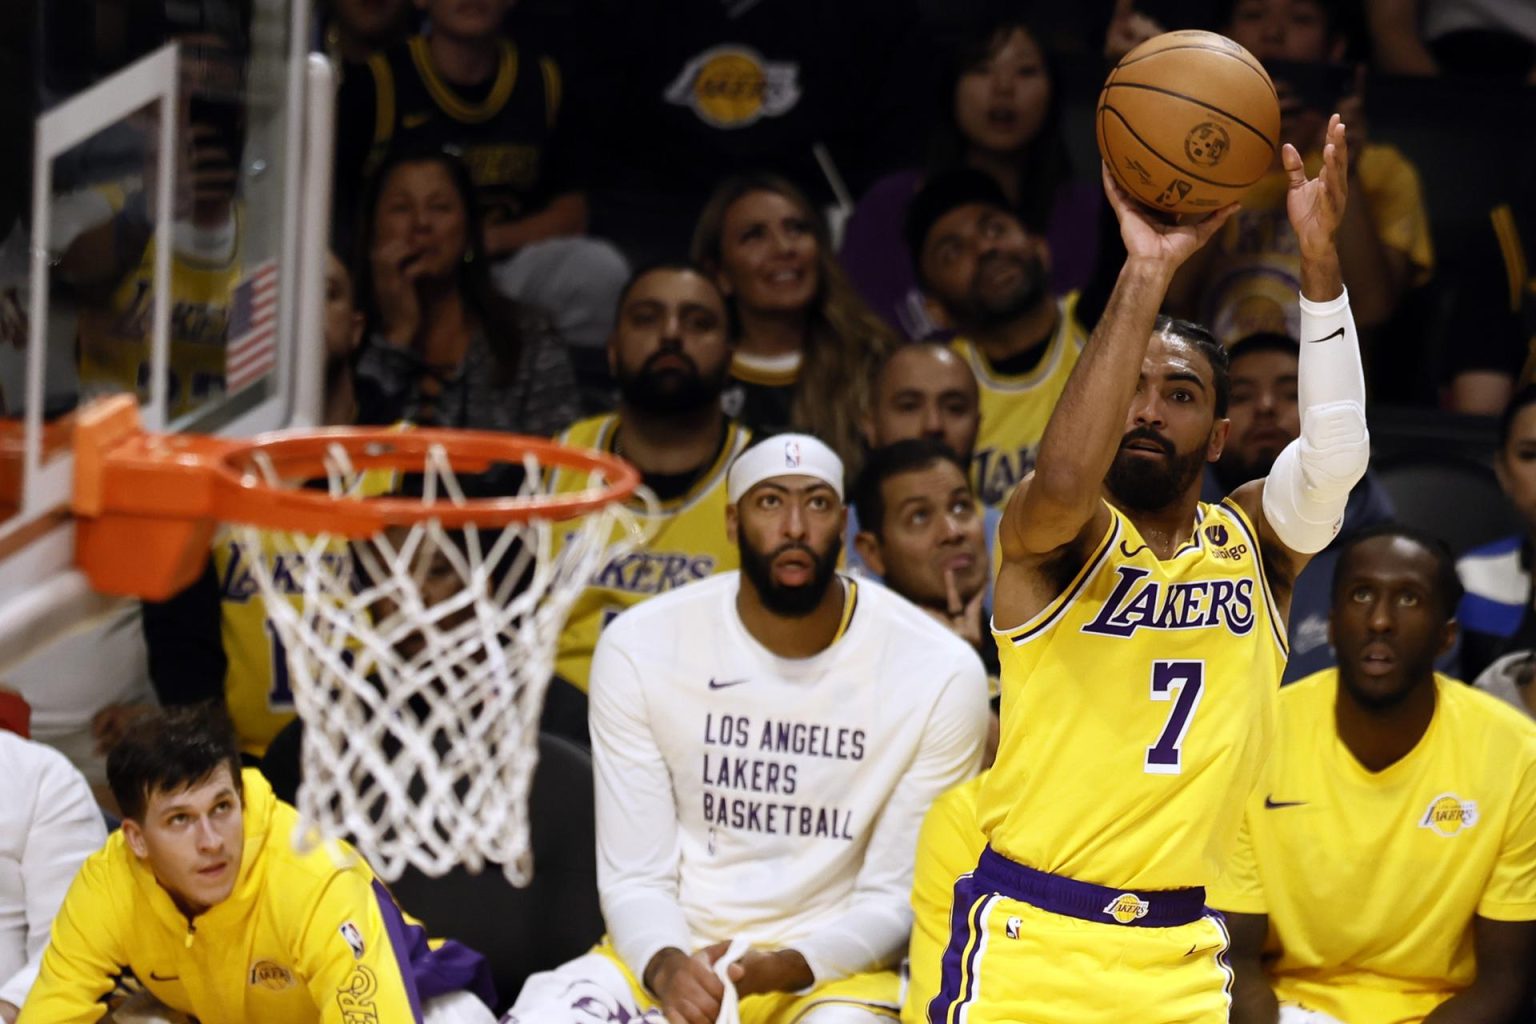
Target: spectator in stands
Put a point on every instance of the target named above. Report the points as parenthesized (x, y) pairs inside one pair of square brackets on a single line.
[(1509, 678), (201, 900), (49, 824), (807, 346), (986, 276), (948, 846), (1494, 310), (729, 824), (1245, 280), (351, 31), (1461, 38), (1386, 864), (464, 86), (1264, 417), (443, 347), (670, 352), (1496, 616), (1000, 114)]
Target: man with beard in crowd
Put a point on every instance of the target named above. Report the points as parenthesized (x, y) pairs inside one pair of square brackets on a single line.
[(1265, 418), (987, 278), (670, 352), (1142, 636), (765, 745)]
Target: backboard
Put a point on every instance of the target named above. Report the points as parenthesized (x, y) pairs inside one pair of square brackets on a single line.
[(173, 248)]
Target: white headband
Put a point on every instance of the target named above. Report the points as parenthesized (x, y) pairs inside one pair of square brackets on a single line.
[(784, 455)]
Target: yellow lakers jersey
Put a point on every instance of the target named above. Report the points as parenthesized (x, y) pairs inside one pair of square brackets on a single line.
[(1371, 879), (1015, 409), (687, 542), (947, 847), (115, 334), (1137, 710)]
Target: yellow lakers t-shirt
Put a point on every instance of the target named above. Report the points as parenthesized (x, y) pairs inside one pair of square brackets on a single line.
[(1371, 879), (687, 543), (948, 846), (1137, 710), (1015, 409)]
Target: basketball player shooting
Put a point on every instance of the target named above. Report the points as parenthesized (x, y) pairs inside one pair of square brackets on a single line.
[(1142, 637)]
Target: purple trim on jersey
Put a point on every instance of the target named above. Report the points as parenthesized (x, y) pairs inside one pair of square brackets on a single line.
[(1163, 908), (428, 972), (1092, 567), (968, 914), (1223, 955), (1258, 562)]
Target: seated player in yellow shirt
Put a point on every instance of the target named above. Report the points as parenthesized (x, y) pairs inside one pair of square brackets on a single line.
[(202, 901), (1386, 870)]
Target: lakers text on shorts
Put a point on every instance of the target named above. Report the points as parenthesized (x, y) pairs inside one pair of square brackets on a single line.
[(1096, 956)]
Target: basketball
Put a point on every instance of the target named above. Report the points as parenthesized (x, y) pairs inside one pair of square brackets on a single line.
[(1188, 121)]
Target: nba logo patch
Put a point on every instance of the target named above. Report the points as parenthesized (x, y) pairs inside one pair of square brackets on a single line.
[(791, 454), (1127, 907), (354, 939), (1216, 534), (1012, 927), (1449, 814)]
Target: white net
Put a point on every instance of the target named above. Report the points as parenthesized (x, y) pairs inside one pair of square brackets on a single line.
[(419, 659)]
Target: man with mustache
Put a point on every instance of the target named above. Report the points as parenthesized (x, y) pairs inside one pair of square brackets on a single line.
[(670, 352), (765, 744), (1265, 418), (1141, 634), (1386, 869), (987, 278)]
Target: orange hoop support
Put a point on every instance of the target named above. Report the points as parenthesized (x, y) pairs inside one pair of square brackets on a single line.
[(146, 505)]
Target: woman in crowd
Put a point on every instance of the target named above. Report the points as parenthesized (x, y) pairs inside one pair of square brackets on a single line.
[(807, 346), (1001, 112), (443, 348)]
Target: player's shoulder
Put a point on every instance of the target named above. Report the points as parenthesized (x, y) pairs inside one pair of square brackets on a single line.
[(24, 759), (591, 430), (1308, 696), (905, 629), (693, 606)]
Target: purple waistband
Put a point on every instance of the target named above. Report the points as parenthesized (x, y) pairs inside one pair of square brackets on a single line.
[(1147, 908)]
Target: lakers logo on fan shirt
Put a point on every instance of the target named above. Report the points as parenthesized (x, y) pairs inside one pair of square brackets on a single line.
[(272, 976), (1449, 814), (1127, 907), (734, 86)]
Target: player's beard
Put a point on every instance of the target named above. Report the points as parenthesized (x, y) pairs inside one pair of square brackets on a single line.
[(983, 310), (1148, 485), (672, 390), (792, 602)]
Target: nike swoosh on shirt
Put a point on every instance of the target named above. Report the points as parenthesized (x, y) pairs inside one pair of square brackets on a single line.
[(1339, 333), (1270, 803), (720, 684)]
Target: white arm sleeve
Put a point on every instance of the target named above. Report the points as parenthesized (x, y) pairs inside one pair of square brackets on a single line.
[(873, 931), (637, 828), (1309, 485)]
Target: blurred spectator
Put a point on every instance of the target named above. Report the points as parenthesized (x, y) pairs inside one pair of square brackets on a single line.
[(466, 88), (1509, 679), (1000, 114), (1462, 38), (1265, 418), (49, 824), (807, 346), (444, 348), (1494, 311), (1386, 865), (1496, 615), (1245, 280), (987, 277), (828, 95), (948, 846), (343, 333), (671, 353), (351, 31)]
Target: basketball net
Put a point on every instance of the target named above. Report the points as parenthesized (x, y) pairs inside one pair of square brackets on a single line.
[(419, 658)]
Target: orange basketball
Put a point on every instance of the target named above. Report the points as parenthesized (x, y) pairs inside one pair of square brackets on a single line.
[(1187, 121)]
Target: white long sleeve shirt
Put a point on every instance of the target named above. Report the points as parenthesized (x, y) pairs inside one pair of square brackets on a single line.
[(49, 824), (744, 794)]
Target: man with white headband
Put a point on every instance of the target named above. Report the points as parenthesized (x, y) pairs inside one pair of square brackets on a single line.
[(765, 743)]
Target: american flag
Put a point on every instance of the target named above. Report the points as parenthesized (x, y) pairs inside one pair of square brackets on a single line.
[(252, 351)]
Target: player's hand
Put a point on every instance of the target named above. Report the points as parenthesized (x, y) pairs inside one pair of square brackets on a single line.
[(962, 618), (686, 986), (1316, 206), (113, 722), (769, 970), (1147, 237), (396, 266)]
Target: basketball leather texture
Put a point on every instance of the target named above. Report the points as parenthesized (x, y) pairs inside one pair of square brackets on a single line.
[(1188, 121)]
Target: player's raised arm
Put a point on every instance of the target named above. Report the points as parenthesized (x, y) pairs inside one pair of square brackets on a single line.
[(1061, 500), (1302, 500)]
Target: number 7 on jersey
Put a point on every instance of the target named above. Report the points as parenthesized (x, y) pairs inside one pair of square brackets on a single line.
[(1180, 682)]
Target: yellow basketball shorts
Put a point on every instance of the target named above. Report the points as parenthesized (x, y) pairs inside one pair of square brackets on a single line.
[(599, 986), (1027, 947)]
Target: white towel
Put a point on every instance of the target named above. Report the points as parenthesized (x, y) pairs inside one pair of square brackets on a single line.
[(730, 1010)]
